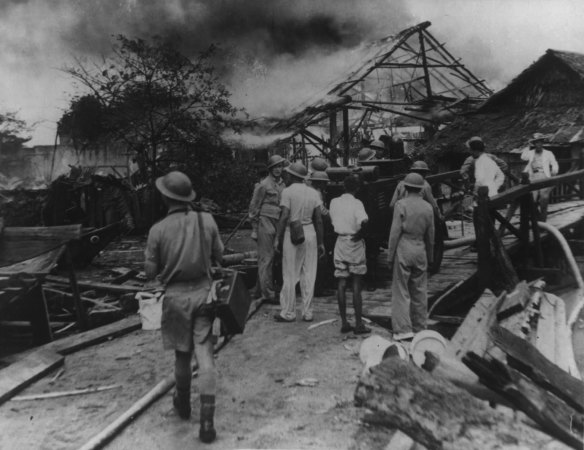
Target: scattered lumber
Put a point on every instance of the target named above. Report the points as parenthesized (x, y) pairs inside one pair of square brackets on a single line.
[(116, 288), (527, 359), (552, 414), (514, 302), (22, 398), (436, 413), (20, 374)]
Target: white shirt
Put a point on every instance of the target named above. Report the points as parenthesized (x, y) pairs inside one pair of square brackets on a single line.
[(347, 213), (301, 200), (487, 173), (548, 161)]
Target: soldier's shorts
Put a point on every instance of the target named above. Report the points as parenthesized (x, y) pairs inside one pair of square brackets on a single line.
[(183, 319), (349, 257)]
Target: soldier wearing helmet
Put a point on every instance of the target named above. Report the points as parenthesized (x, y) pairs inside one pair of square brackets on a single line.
[(179, 253), (410, 250), (419, 167), (379, 147), (264, 211), (299, 204)]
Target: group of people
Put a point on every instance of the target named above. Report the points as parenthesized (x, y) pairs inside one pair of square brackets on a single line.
[(287, 219)]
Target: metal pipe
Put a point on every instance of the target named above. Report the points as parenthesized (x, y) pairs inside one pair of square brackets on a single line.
[(573, 265)]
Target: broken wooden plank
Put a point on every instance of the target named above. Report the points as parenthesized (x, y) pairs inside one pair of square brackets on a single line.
[(22, 398), (552, 414), (514, 302), (116, 288), (20, 374), (439, 414), (80, 341), (529, 360)]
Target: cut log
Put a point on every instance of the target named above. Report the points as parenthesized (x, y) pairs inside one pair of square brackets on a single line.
[(20, 374), (438, 414), (529, 360), (549, 412)]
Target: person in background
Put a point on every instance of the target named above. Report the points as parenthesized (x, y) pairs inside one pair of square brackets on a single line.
[(264, 211), (541, 164), (410, 250), (324, 272), (379, 147), (179, 252), (349, 219), (421, 168), (299, 202), (483, 169)]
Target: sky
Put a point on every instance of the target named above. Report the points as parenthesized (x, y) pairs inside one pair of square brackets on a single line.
[(274, 52)]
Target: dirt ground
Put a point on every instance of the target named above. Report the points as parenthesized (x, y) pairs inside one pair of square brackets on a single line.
[(280, 386)]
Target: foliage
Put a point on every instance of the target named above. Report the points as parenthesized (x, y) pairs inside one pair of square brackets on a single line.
[(152, 98), (84, 122), (13, 131)]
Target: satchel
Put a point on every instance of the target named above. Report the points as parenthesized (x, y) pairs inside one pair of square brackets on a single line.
[(296, 232)]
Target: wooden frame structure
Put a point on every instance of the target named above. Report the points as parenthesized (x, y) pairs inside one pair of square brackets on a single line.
[(411, 75)]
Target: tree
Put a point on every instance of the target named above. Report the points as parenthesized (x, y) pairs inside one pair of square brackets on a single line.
[(13, 132), (152, 98)]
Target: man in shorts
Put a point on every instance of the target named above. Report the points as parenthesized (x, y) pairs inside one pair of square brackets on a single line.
[(349, 218), (178, 255)]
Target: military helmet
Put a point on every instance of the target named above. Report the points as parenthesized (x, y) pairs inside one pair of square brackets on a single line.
[(297, 169), (177, 186), (377, 144), (318, 164), (366, 154), (414, 180), (319, 175), (420, 166), (275, 160)]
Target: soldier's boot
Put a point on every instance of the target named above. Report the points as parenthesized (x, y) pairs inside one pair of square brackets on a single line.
[(207, 433)]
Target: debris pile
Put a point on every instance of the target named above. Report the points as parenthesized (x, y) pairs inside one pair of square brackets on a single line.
[(513, 351)]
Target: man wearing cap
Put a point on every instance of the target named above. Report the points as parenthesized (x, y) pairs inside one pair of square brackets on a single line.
[(419, 167), (541, 164), (264, 211), (486, 169), (349, 219), (178, 255), (410, 250), (300, 203)]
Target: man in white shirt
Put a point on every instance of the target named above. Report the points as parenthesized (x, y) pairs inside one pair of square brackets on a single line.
[(541, 164), (349, 218), (298, 202), (486, 170)]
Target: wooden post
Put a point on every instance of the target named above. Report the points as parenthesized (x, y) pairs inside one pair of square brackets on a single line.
[(535, 230), (425, 64), (581, 178), (481, 221), (79, 308), (333, 130), (495, 270), (346, 138), (39, 315), (525, 216)]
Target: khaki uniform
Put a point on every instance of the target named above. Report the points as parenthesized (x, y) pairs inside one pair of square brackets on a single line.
[(264, 211), (411, 244), (400, 192)]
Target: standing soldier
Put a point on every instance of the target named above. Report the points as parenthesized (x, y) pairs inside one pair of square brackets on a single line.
[(300, 204), (264, 210), (349, 219), (482, 167), (178, 255), (410, 250), (540, 164), (419, 167)]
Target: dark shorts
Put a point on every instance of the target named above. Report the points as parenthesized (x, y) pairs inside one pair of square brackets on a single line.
[(183, 321)]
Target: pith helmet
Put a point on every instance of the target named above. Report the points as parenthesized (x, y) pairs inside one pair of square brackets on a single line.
[(177, 186), (318, 164), (366, 154), (420, 166), (475, 143), (275, 160), (414, 180), (319, 175), (538, 137), (297, 169), (377, 144)]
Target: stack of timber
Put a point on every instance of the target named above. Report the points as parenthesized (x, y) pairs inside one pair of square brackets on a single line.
[(513, 350)]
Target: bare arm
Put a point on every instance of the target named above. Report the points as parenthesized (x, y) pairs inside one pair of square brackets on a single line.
[(255, 205), (395, 232), (151, 257), (317, 220), (281, 226)]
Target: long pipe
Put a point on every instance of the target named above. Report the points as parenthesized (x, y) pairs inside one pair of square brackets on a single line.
[(573, 265)]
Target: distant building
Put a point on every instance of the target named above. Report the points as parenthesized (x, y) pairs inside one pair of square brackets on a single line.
[(547, 97)]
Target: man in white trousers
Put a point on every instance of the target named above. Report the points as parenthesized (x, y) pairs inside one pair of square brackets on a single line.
[(299, 202)]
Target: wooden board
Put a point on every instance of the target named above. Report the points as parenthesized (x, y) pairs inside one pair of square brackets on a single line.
[(116, 288), (40, 265), (22, 373)]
